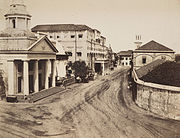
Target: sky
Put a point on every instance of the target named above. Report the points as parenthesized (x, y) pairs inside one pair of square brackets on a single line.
[(118, 20)]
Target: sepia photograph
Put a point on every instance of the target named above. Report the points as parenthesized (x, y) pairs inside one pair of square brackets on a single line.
[(90, 69)]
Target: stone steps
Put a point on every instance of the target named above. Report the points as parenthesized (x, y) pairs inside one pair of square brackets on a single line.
[(43, 94)]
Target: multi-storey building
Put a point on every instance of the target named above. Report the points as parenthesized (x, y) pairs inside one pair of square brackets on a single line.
[(124, 58), (80, 42)]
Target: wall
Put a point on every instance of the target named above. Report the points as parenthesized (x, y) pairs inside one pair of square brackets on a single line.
[(150, 56), (61, 68), (160, 99)]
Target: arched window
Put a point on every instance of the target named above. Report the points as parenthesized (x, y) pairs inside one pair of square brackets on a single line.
[(14, 23)]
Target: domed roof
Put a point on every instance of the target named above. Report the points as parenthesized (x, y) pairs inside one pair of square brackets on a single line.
[(18, 7)]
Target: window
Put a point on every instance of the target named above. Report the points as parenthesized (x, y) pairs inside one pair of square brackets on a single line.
[(126, 63), (79, 54), (80, 35), (58, 36), (14, 23), (126, 58), (69, 53), (123, 63), (72, 36), (50, 36), (144, 60)]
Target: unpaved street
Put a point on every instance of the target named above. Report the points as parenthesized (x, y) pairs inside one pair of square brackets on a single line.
[(99, 109)]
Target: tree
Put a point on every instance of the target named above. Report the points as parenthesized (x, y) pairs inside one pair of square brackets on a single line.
[(80, 69)]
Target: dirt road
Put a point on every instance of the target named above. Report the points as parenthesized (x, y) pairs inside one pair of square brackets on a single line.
[(99, 109)]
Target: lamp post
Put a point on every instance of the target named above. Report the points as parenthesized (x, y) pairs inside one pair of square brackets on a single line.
[(75, 48)]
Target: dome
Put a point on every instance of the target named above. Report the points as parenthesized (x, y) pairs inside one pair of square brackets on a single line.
[(17, 7)]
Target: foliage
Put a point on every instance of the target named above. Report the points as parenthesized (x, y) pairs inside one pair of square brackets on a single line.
[(80, 69)]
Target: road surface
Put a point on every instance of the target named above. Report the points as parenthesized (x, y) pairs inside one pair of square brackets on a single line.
[(99, 109)]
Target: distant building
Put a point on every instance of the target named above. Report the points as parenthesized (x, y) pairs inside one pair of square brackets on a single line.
[(27, 63), (125, 58), (150, 52), (80, 42)]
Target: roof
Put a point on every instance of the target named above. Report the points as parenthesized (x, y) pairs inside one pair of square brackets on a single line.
[(149, 67), (167, 73), (17, 8), (41, 39), (125, 53), (152, 45), (60, 27)]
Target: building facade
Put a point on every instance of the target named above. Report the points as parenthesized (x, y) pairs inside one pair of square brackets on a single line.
[(124, 58), (151, 51), (80, 42), (27, 63)]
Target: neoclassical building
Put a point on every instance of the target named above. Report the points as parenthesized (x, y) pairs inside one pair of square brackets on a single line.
[(151, 51), (27, 63)]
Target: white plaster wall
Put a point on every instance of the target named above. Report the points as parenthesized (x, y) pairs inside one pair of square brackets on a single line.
[(137, 57), (61, 68)]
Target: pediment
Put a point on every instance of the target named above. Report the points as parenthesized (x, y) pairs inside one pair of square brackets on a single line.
[(43, 45)]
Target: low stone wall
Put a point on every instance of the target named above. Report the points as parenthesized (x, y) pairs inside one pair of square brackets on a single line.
[(160, 99)]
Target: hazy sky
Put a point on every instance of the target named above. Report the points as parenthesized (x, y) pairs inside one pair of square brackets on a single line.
[(118, 20)]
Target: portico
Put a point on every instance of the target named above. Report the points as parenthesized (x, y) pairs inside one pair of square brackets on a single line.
[(30, 76)]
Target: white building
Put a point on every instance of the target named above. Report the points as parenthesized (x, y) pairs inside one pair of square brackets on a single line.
[(80, 42), (27, 63), (124, 58), (149, 52)]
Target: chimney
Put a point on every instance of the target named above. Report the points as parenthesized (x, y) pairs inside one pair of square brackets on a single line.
[(138, 41)]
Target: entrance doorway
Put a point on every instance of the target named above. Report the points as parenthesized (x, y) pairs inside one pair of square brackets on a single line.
[(98, 68)]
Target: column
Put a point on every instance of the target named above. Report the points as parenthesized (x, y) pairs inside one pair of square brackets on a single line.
[(11, 77), (53, 73), (36, 76), (103, 68), (26, 77), (47, 74)]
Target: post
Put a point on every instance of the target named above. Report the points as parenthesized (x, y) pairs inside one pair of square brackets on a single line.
[(54, 74), (75, 46), (26, 77), (103, 69)]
